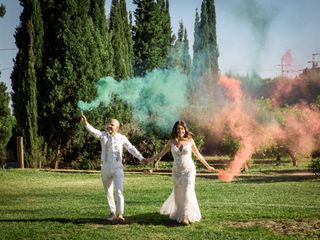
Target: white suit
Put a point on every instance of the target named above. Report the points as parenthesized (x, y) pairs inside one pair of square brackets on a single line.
[(111, 165)]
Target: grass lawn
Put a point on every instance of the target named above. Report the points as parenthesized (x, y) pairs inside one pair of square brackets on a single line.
[(51, 205)]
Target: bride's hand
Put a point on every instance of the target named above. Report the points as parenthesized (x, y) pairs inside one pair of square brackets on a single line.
[(212, 169), (144, 161)]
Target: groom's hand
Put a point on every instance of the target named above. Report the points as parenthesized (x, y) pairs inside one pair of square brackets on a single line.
[(83, 120)]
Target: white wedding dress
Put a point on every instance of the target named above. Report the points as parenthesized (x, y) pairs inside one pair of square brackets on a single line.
[(182, 202)]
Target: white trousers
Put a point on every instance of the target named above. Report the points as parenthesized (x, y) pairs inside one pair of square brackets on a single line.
[(112, 179)]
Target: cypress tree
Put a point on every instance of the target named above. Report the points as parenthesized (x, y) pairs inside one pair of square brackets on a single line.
[(77, 54), (200, 61), (196, 48), (179, 56), (121, 40), (122, 44), (166, 38), (186, 55), (104, 48), (29, 40), (180, 32), (205, 50), (143, 35), (151, 35), (128, 36), (130, 40), (212, 47)]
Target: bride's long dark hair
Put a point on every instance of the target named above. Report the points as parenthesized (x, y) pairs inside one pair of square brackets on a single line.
[(174, 133)]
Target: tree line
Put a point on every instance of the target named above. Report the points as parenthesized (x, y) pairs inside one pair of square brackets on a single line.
[(64, 47)]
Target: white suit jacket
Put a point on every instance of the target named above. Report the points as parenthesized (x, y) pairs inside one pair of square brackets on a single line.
[(112, 146)]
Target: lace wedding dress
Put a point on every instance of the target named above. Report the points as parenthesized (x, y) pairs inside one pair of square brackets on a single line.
[(182, 202)]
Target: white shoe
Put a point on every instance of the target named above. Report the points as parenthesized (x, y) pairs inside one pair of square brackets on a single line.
[(111, 217)]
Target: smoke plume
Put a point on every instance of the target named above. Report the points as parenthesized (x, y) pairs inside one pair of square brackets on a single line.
[(157, 98)]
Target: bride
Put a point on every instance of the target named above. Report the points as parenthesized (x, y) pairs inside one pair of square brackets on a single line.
[(182, 204)]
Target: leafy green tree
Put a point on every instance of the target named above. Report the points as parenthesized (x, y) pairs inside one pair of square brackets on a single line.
[(166, 38), (29, 40), (6, 120), (151, 35), (77, 53), (146, 53), (121, 40)]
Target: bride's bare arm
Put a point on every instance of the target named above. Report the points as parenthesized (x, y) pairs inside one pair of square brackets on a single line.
[(200, 157)]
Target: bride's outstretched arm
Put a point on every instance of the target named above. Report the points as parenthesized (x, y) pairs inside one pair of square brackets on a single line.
[(201, 158)]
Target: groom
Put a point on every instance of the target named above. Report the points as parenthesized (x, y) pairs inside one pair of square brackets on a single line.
[(112, 175)]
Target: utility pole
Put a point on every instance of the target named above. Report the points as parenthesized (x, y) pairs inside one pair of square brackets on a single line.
[(281, 66), (286, 68)]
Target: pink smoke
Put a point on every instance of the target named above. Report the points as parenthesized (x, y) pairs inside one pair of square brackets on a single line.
[(232, 87), (287, 58), (294, 90), (298, 128), (301, 129), (287, 68), (238, 123)]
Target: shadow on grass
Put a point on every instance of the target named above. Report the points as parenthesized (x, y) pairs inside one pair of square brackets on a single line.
[(142, 219)]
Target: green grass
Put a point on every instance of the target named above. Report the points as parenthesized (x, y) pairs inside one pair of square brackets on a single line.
[(50, 205)]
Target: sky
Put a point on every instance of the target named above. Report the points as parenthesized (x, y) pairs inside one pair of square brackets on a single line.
[(252, 35)]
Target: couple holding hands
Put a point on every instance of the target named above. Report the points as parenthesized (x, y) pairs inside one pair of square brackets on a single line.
[(182, 204)]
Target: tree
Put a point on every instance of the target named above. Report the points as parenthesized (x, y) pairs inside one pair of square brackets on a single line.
[(77, 53), (205, 49), (2, 10), (151, 35), (29, 40), (179, 56), (145, 52), (121, 40), (166, 38), (186, 55), (196, 63), (6, 120)]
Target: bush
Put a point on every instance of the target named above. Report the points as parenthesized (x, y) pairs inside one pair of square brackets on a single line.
[(315, 165), (88, 164), (230, 145)]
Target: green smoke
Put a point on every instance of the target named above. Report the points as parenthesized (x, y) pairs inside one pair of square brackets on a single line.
[(157, 98)]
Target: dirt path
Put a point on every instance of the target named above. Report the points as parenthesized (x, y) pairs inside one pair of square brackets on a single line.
[(256, 177)]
